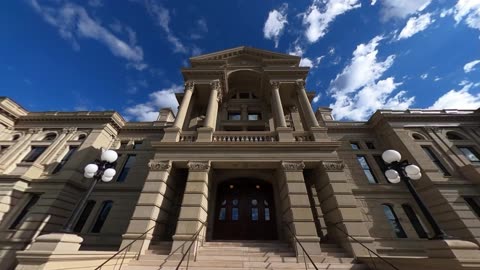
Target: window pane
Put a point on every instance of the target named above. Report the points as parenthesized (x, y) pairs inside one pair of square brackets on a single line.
[(221, 216), (234, 213), (254, 116), (102, 216), (234, 116), (267, 214), (126, 168), (366, 169), (370, 145), (84, 216), (254, 213), (355, 145), (65, 158), (435, 160), (34, 153), (394, 222), (31, 202), (417, 225), (137, 144), (470, 154)]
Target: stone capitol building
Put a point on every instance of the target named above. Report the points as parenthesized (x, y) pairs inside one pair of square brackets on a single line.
[(245, 176)]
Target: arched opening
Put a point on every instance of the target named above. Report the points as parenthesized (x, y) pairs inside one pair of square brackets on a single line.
[(453, 136), (81, 137), (418, 137), (16, 137), (50, 137), (244, 210)]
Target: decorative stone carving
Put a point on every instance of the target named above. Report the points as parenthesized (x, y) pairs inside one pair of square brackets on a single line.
[(34, 130), (159, 165), (294, 109), (189, 85), (333, 165), (216, 84), (69, 130), (198, 166), (300, 84), (293, 165), (275, 84)]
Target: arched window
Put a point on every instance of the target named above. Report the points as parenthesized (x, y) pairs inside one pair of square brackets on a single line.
[(102, 216), (417, 225), (81, 137), (393, 220), (16, 137), (453, 136), (418, 137), (84, 216), (50, 137)]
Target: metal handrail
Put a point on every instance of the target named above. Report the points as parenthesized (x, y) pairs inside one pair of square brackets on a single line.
[(304, 251), (192, 240), (369, 250), (125, 249)]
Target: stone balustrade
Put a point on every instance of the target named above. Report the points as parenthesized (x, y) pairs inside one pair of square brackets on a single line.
[(188, 136), (303, 136), (244, 136)]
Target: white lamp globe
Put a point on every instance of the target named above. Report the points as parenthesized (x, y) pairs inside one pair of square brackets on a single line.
[(395, 180), (390, 156), (88, 175), (91, 169), (415, 176), (109, 156), (106, 179), (412, 170), (109, 172), (391, 174)]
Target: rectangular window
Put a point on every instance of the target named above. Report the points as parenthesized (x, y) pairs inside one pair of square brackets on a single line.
[(474, 204), (234, 116), (31, 202), (254, 116), (354, 145), (470, 153), (362, 160), (84, 216), (65, 158), (244, 95), (381, 164), (370, 145), (137, 144), (435, 160), (102, 216), (126, 168), (34, 153)]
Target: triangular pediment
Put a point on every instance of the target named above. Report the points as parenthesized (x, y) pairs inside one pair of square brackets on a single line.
[(244, 51)]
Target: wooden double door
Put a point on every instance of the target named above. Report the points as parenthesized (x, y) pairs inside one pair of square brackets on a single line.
[(244, 210)]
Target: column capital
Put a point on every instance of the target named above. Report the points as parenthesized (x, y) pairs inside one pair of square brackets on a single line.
[(293, 165), (160, 165), (275, 84), (300, 84), (189, 85), (198, 166), (69, 130), (217, 85), (34, 130), (333, 165)]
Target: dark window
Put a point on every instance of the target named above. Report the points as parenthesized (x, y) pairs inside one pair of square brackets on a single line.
[(81, 137), (417, 225), (454, 136), (31, 202), (84, 216), (366, 169), (65, 158), (137, 144), (234, 116), (102, 216), (418, 137), (370, 145), (15, 137), (123, 144), (34, 153), (435, 160), (355, 145), (50, 137), (3, 148), (244, 95), (381, 164), (126, 168), (470, 153), (393, 220), (474, 204), (254, 116)]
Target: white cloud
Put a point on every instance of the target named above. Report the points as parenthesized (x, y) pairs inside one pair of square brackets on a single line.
[(374, 2), (358, 90), (415, 25), (73, 22), (424, 76), (275, 23), (468, 11), (470, 66), (148, 111), (321, 13), (317, 98), (95, 3), (401, 8), (461, 99), (306, 62)]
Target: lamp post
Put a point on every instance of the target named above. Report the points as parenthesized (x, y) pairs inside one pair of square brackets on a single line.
[(99, 170), (404, 171)]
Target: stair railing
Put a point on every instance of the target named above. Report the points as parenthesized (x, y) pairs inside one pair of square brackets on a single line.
[(370, 252), (192, 240), (303, 249)]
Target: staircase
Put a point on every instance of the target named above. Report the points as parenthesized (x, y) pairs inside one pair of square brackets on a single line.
[(252, 255)]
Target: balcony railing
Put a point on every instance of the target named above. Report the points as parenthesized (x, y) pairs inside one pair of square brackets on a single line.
[(244, 136), (303, 136)]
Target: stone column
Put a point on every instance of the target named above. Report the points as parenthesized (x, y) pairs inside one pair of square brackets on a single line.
[(340, 209), (148, 212), (194, 205), (172, 134), (205, 133), (305, 104), (297, 211), (277, 105)]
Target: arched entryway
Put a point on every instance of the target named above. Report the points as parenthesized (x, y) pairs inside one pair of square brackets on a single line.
[(244, 210)]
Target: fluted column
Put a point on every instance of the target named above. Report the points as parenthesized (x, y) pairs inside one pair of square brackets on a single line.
[(182, 112), (212, 110), (305, 104), (277, 105)]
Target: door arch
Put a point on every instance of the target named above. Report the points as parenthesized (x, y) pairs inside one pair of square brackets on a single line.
[(244, 210)]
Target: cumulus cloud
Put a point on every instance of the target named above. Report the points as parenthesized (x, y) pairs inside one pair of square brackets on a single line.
[(415, 25), (321, 13), (73, 22), (424, 76), (358, 90), (148, 111), (401, 8), (275, 23), (458, 99), (305, 61), (317, 98), (470, 66), (469, 12)]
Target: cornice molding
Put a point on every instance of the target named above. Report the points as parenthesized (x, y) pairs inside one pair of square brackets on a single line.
[(293, 166), (159, 165), (198, 166), (333, 165)]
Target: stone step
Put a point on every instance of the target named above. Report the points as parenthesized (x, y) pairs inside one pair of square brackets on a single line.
[(203, 252), (245, 243), (235, 264), (322, 266)]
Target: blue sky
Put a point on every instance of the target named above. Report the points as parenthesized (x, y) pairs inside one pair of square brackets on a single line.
[(126, 55)]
